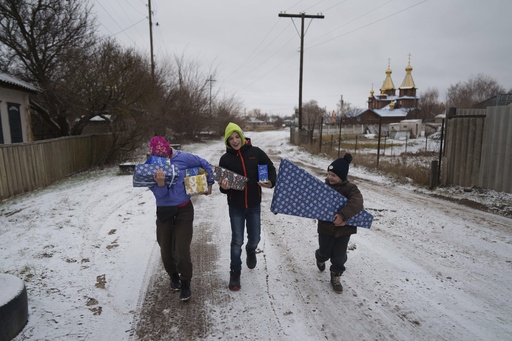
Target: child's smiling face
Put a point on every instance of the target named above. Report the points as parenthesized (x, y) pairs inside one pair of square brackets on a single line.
[(333, 178), (235, 141)]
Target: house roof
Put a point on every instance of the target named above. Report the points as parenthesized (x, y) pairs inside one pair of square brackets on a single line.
[(499, 100), (6, 79), (254, 120), (387, 112)]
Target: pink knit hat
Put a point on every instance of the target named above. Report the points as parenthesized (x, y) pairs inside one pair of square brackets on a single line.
[(159, 146)]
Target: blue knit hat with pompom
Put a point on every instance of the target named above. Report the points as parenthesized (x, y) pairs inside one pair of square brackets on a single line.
[(340, 166)]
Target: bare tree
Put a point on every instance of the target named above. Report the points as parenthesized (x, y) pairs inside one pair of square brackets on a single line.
[(38, 38), (476, 89), (311, 114), (117, 85), (430, 106), (114, 82), (277, 120), (228, 109), (187, 101)]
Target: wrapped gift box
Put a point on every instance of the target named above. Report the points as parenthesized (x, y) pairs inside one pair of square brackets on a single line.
[(158, 160), (299, 193), (143, 174), (262, 173), (196, 184), (235, 180), (194, 171)]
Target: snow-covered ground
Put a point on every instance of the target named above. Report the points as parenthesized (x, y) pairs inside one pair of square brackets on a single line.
[(429, 269)]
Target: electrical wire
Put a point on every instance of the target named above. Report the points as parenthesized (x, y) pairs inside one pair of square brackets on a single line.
[(369, 24), (269, 39)]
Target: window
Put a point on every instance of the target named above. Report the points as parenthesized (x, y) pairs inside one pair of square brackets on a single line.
[(15, 122)]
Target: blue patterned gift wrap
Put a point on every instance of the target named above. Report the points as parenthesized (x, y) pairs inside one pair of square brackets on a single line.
[(299, 193), (143, 174), (193, 171), (158, 160)]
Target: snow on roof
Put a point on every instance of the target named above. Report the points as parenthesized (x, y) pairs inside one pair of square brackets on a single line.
[(407, 97), (8, 79), (99, 118), (254, 120), (387, 112)]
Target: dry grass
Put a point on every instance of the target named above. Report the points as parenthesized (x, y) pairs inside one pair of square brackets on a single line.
[(405, 168)]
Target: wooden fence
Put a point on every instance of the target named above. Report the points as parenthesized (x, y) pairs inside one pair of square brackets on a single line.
[(29, 166), (478, 150)]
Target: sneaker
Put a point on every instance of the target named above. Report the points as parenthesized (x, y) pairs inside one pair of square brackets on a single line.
[(320, 266), (185, 290), (335, 282), (234, 280), (251, 259), (175, 282)]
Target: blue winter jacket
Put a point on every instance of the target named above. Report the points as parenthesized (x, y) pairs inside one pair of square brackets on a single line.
[(176, 195)]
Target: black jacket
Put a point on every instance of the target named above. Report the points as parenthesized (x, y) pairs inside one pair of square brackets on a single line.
[(245, 162)]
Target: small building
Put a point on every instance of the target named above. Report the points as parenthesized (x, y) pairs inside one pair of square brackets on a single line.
[(414, 127), (97, 125), (253, 123), (385, 115), (15, 122)]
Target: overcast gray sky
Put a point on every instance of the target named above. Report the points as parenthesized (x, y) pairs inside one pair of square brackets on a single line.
[(255, 53)]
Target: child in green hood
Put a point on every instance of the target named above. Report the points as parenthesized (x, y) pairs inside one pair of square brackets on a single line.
[(244, 205)]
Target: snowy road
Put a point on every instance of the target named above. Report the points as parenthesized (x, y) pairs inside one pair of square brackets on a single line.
[(429, 269)]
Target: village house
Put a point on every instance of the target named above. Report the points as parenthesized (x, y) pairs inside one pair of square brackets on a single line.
[(15, 122)]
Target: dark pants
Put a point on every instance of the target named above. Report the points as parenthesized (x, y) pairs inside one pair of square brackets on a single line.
[(334, 249), (174, 237)]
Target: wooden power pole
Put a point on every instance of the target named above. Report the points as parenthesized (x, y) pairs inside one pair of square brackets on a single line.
[(151, 40), (210, 80), (302, 16)]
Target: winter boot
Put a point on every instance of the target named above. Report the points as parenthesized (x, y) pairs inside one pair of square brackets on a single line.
[(320, 266), (251, 259), (175, 282), (335, 282), (185, 290), (234, 280)]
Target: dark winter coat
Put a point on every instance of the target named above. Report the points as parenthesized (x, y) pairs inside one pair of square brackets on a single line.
[(245, 162), (354, 205)]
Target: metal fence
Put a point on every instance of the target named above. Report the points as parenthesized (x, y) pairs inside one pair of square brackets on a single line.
[(478, 149), (28, 166)]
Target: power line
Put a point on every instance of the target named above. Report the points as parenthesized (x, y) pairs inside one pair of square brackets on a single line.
[(369, 24), (113, 19), (302, 16)]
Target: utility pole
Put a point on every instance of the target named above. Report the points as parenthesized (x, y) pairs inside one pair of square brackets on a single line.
[(302, 16), (339, 134), (151, 40), (210, 80)]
